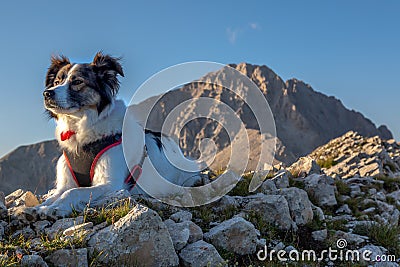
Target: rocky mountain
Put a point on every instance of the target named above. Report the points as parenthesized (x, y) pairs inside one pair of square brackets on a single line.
[(31, 167), (353, 155), (304, 118)]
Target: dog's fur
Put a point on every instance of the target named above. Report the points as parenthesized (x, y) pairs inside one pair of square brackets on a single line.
[(81, 98)]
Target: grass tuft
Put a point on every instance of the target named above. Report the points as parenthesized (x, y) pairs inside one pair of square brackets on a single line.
[(382, 234), (326, 163)]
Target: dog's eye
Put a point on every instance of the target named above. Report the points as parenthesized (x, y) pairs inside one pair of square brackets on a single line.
[(56, 83), (76, 82)]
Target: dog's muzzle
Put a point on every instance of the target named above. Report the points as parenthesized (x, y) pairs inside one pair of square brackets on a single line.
[(48, 94)]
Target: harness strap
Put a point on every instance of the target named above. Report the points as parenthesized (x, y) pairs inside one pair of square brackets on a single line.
[(133, 175), (70, 168), (136, 172), (99, 155)]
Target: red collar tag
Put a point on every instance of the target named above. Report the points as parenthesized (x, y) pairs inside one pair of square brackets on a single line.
[(66, 135)]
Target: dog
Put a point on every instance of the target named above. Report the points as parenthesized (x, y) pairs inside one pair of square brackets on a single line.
[(89, 120)]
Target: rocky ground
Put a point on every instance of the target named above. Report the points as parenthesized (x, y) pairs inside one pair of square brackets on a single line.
[(346, 190)]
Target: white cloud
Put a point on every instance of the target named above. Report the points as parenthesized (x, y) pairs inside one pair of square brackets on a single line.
[(233, 33), (254, 26)]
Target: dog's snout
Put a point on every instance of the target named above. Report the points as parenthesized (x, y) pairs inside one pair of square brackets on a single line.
[(48, 93)]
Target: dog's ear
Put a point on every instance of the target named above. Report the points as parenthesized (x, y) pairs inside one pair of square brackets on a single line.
[(107, 68), (57, 62)]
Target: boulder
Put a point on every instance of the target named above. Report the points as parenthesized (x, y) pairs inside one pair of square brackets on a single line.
[(273, 209), (304, 167), (236, 235), (299, 205), (319, 235), (321, 188), (33, 260), (200, 254), (140, 236), (61, 225), (181, 216), (281, 179), (68, 257)]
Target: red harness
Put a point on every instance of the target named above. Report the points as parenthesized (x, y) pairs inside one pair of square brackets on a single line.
[(81, 180)]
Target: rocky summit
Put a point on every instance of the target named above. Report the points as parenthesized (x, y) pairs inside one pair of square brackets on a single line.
[(325, 200)]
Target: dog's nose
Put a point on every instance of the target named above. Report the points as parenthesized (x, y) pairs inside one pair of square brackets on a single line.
[(48, 93)]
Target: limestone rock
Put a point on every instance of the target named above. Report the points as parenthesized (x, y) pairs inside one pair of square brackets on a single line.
[(304, 167), (33, 260), (200, 254), (236, 235), (273, 209), (69, 257), (61, 225), (320, 235), (181, 216), (73, 230), (268, 187), (299, 205), (321, 188), (353, 155), (179, 233), (140, 236), (281, 179)]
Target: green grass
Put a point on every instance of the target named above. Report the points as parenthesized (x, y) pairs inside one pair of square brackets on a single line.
[(337, 225), (342, 187), (9, 261), (76, 241), (242, 187), (382, 234), (293, 182), (267, 230), (204, 215), (109, 214), (389, 184), (326, 163)]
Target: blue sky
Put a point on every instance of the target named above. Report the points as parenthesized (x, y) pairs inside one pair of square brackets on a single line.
[(348, 49)]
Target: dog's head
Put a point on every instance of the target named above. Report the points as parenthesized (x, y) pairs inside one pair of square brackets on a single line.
[(74, 87)]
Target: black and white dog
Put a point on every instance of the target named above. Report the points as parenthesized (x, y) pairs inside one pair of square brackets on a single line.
[(81, 98)]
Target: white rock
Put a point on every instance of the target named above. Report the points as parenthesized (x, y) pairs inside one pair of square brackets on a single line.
[(179, 233), (303, 167), (273, 209), (61, 225), (344, 210), (78, 228), (140, 236), (181, 216), (200, 254), (322, 188), (69, 257), (33, 260), (236, 235), (268, 187), (299, 205), (9, 199), (281, 179), (320, 235)]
